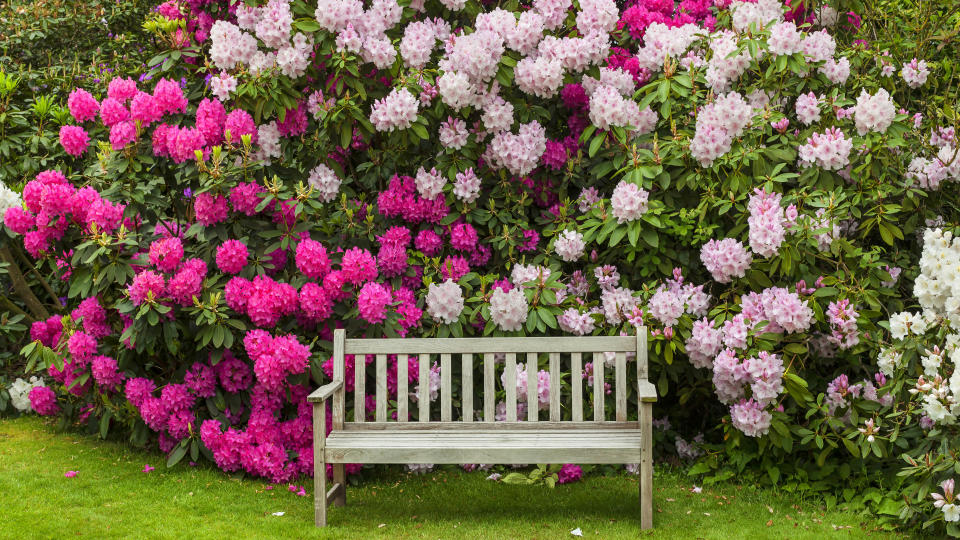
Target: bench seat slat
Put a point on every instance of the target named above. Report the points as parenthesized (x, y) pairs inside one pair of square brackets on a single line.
[(484, 446), (493, 345)]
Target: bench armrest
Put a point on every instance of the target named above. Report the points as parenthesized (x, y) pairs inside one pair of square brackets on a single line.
[(324, 392), (646, 391)]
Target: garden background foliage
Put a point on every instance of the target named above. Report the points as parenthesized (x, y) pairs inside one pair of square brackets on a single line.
[(192, 206)]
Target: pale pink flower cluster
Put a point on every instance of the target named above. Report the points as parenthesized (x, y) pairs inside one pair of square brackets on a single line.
[(597, 16), (829, 150), (783, 310), (617, 78), (718, 123), (553, 11), (915, 73), (230, 46), (750, 418), (723, 69), (445, 301), (574, 322), (808, 108), (453, 133), (766, 223), (661, 41), (467, 186), (725, 259), (325, 182), (429, 183), (704, 343), (569, 245), (674, 298), (518, 153), (476, 55), (836, 71), (819, 46), (541, 76), (609, 108), (223, 85), (784, 39), (508, 310), (927, 173), (397, 110), (618, 303), (843, 324), (628, 202), (873, 113), (419, 39), (576, 54), (758, 14), (527, 273)]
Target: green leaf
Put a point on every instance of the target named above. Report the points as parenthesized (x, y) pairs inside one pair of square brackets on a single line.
[(176, 455), (595, 144)]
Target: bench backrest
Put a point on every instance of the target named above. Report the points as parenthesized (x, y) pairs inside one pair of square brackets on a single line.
[(556, 354)]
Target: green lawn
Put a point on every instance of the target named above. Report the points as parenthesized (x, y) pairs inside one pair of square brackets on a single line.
[(111, 497)]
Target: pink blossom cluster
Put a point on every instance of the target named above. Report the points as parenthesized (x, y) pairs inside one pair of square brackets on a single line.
[(808, 108), (609, 108), (402, 200), (675, 298), (915, 73), (274, 358), (829, 150), (842, 317), (725, 259), (518, 153), (874, 113), (264, 300), (52, 204), (398, 110), (628, 202), (718, 123), (508, 309), (768, 222), (749, 417)]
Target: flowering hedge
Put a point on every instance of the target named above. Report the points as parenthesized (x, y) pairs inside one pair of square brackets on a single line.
[(730, 175)]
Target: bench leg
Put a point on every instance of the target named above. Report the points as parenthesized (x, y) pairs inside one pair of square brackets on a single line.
[(319, 466), (646, 466), (340, 477)]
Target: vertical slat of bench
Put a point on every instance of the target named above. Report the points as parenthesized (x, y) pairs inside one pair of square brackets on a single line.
[(381, 388), (489, 398), (423, 397), (339, 397), (598, 395), (576, 386), (642, 353), (402, 374), (445, 398), (339, 408), (510, 370), (466, 387), (554, 387), (359, 381), (532, 404), (621, 382)]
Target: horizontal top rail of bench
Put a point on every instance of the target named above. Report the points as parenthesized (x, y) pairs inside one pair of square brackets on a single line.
[(492, 345)]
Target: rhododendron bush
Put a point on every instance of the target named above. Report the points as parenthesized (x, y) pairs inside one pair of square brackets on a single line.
[(747, 182)]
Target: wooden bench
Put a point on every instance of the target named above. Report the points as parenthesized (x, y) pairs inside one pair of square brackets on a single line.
[(563, 435)]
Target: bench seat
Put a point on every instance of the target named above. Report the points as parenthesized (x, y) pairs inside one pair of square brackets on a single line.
[(596, 445)]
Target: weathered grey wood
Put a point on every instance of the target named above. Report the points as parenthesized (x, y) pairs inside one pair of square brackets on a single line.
[(402, 374), (339, 397), (381, 388), (491, 344), (359, 389), (445, 389), (334, 492), (519, 425), (576, 386), (621, 386), (489, 398), (646, 466), (510, 371), (532, 404), (466, 441), (466, 387), (621, 446), (325, 392), (339, 407), (598, 386), (554, 387), (423, 396), (641, 350), (319, 465)]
